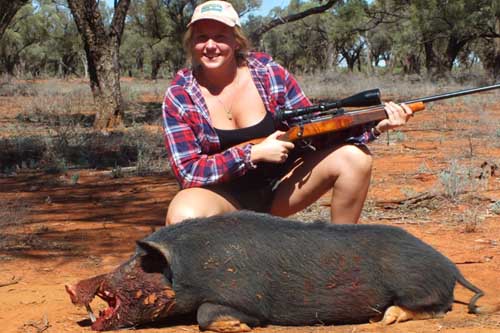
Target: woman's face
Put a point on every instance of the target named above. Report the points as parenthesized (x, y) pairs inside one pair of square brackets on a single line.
[(213, 44)]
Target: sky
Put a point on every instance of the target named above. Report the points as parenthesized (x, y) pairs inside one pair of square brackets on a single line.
[(267, 5)]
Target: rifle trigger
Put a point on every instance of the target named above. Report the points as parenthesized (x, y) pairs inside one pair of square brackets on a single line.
[(306, 143)]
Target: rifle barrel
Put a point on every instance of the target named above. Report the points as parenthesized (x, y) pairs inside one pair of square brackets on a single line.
[(453, 94)]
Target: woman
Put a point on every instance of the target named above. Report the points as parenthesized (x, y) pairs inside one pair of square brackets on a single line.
[(230, 96)]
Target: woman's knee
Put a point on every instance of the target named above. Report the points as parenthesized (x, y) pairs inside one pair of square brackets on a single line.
[(179, 213), (355, 159), (194, 203), (181, 207)]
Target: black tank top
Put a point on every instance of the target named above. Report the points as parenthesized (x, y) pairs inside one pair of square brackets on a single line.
[(230, 138)]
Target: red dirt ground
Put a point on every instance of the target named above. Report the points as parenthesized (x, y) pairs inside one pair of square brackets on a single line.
[(67, 232)]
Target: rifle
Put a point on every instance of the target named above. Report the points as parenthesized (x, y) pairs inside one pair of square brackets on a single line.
[(332, 117)]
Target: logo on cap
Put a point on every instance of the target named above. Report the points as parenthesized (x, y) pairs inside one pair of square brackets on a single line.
[(212, 7)]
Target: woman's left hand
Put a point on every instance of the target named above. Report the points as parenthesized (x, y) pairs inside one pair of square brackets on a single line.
[(397, 115)]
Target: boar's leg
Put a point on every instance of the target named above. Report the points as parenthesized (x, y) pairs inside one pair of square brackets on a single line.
[(396, 314), (224, 319)]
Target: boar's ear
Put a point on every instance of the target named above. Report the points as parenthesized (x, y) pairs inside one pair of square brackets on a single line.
[(155, 258), (149, 246)]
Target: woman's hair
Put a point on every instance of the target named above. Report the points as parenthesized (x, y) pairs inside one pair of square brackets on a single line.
[(241, 40)]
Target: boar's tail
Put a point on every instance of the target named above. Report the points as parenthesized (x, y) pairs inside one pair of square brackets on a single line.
[(473, 308)]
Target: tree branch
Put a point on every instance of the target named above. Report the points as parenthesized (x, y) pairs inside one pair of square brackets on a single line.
[(255, 35)]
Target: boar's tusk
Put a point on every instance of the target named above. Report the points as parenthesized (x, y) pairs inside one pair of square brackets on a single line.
[(91, 313)]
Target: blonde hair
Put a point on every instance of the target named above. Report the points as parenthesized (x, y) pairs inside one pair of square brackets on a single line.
[(239, 36)]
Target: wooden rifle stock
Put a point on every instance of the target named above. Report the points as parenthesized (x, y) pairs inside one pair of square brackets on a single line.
[(337, 123), (348, 119)]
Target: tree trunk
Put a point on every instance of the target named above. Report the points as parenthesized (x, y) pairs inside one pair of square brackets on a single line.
[(496, 54), (83, 58), (331, 57), (155, 68), (433, 65), (102, 49), (8, 10), (492, 56), (411, 64), (9, 63), (351, 61), (455, 45), (139, 62)]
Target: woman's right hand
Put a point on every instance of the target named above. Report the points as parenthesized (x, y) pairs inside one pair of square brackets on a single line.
[(272, 149)]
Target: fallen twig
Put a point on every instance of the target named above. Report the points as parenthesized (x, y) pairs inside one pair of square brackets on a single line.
[(40, 325), (410, 222), (467, 262), (12, 281), (408, 201), (419, 148)]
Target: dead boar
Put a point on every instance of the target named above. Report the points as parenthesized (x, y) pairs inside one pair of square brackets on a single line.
[(245, 269)]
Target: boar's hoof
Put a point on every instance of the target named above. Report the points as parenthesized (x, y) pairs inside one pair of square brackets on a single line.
[(224, 319), (396, 314), (227, 325)]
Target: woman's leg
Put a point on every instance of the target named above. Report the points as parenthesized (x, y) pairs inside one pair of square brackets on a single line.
[(198, 202), (346, 170)]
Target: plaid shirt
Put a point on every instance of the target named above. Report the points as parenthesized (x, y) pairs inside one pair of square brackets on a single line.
[(193, 145)]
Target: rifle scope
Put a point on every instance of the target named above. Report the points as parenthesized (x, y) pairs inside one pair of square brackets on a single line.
[(364, 98)]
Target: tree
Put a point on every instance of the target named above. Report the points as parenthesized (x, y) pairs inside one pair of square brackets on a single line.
[(380, 45), (102, 45), (489, 46), (161, 24), (347, 33), (21, 47), (8, 9), (64, 48), (446, 28)]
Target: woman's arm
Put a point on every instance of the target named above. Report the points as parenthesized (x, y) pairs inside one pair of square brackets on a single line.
[(193, 156)]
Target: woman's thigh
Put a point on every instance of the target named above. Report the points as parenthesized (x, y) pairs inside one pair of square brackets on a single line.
[(199, 202), (317, 172)]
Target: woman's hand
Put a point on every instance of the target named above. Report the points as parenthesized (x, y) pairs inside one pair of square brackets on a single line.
[(397, 115), (271, 150)]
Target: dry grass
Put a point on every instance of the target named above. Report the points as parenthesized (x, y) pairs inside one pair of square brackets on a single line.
[(53, 130), (14, 215), (339, 85)]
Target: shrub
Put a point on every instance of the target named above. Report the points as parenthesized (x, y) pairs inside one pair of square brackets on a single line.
[(455, 180)]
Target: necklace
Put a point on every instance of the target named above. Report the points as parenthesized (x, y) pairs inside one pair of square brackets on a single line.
[(228, 110)]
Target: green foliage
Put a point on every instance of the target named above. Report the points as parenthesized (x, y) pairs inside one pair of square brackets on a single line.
[(42, 37), (418, 37), (302, 45)]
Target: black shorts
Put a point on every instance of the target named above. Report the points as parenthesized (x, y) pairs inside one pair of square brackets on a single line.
[(255, 190)]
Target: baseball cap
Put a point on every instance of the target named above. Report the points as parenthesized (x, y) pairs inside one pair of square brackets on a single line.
[(217, 10)]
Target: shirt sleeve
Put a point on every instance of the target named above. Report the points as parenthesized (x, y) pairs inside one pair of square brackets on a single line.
[(365, 137), (189, 157), (295, 96)]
